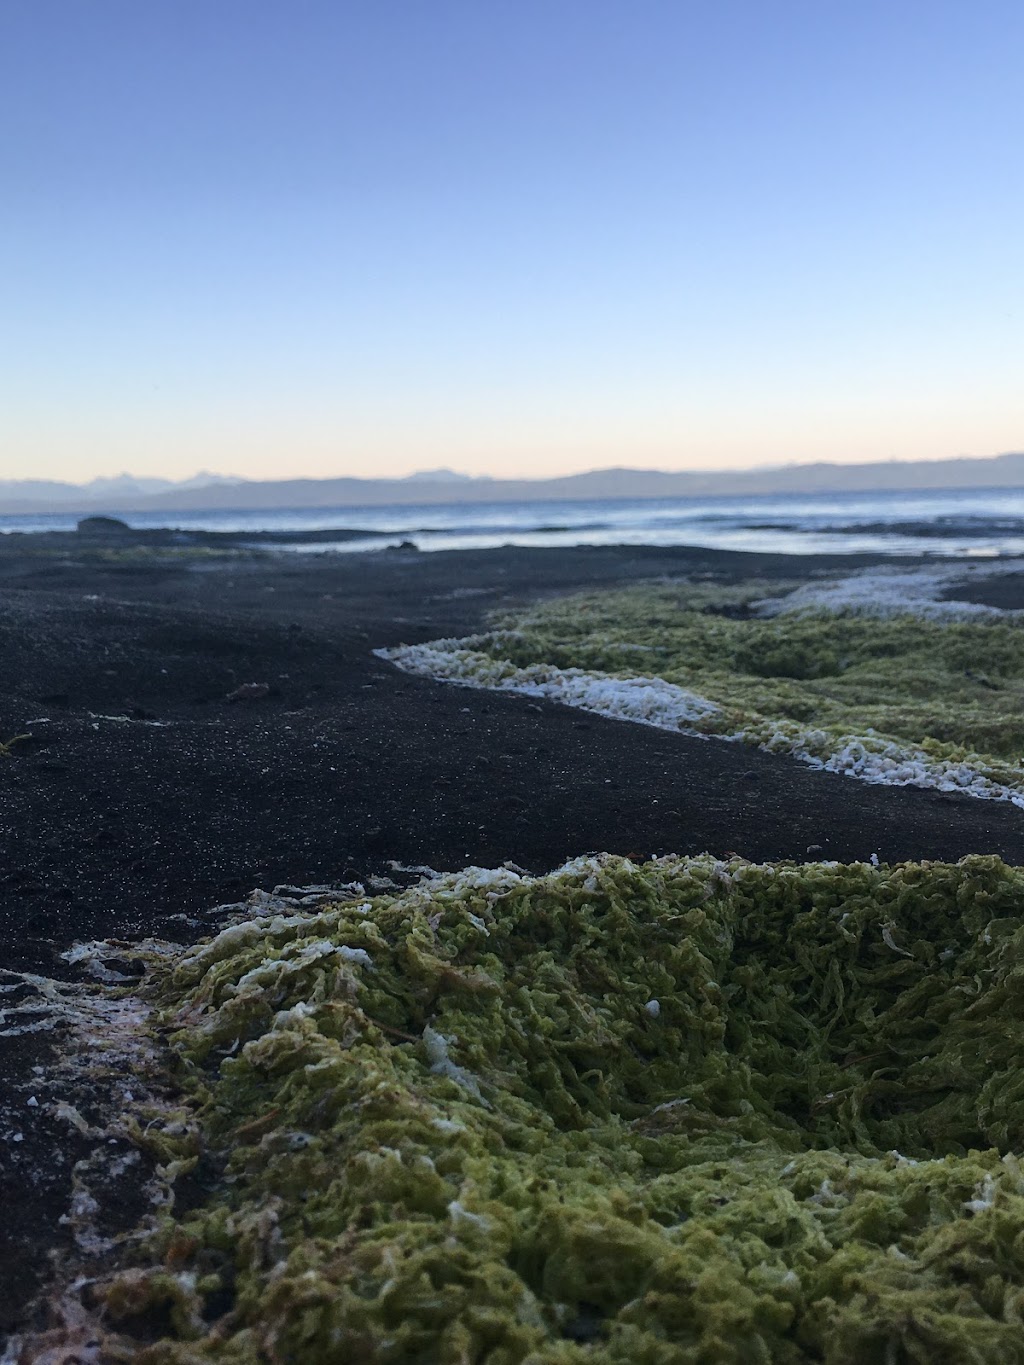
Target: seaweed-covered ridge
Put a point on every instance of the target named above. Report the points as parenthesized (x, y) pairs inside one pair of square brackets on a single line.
[(683, 1111), (898, 697)]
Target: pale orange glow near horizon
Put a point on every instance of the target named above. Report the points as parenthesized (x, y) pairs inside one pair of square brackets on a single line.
[(515, 454)]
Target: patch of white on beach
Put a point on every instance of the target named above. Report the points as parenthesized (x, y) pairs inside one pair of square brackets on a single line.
[(871, 759), (664, 705), (928, 592), (648, 701), (100, 1078)]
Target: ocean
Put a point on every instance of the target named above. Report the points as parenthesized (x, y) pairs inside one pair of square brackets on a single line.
[(980, 522)]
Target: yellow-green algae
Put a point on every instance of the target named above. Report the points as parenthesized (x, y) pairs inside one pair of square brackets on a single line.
[(689, 1111), (7, 745), (808, 682)]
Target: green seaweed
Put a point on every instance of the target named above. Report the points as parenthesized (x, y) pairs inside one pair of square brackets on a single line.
[(689, 1111), (807, 681)]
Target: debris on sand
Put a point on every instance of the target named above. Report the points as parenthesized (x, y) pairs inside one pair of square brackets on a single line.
[(249, 692)]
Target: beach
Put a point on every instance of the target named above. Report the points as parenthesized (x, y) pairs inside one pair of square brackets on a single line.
[(186, 725)]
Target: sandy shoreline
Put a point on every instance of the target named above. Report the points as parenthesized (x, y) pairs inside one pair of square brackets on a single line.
[(144, 796)]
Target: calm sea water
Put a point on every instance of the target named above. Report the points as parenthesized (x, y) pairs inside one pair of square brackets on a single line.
[(981, 522)]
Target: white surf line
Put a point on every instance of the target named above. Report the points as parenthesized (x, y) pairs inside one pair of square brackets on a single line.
[(664, 705), (898, 592)]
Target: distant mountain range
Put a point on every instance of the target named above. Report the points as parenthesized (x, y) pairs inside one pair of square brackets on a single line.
[(51, 494), (214, 492)]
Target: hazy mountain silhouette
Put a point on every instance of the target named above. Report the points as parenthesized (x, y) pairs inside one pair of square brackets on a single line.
[(216, 492), (109, 491)]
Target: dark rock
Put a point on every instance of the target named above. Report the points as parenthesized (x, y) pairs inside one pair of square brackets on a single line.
[(102, 526)]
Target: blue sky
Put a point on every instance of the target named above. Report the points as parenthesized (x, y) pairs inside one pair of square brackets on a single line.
[(522, 238)]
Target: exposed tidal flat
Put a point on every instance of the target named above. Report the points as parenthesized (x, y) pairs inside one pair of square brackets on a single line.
[(702, 1097)]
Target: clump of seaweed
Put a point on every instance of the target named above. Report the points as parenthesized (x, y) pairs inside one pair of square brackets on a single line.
[(690, 1111), (898, 699)]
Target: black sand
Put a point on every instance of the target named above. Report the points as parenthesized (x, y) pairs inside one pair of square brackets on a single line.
[(129, 827)]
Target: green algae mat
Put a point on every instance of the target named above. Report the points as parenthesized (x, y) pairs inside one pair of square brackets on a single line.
[(899, 697), (690, 1111)]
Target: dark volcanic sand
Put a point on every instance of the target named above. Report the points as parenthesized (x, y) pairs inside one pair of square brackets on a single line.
[(122, 828)]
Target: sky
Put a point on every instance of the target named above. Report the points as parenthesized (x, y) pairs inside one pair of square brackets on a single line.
[(522, 238)]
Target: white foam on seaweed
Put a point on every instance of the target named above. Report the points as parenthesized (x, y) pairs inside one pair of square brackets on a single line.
[(897, 592), (647, 700), (442, 1065), (102, 1079), (666, 706), (984, 1196)]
